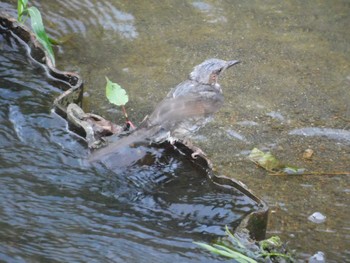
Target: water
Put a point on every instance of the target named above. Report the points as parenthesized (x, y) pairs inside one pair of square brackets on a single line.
[(294, 78), (58, 207)]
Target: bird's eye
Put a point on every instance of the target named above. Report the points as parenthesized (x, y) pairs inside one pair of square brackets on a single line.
[(213, 78)]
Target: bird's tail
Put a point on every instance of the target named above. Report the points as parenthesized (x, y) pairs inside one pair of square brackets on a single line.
[(140, 135)]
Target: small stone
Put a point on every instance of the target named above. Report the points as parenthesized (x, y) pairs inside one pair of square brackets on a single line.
[(317, 258), (308, 153), (317, 218)]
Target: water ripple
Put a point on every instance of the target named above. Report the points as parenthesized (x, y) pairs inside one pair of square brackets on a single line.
[(90, 16), (334, 134)]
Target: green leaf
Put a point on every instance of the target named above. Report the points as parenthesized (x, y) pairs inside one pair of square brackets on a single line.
[(243, 250), (21, 8), (271, 243), (39, 31), (271, 164), (265, 160), (61, 40), (237, 255), (214, 250), (116, 94), (226, 252), (233, 238)]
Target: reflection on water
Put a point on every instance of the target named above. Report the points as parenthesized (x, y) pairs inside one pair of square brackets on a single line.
[(295, 65)]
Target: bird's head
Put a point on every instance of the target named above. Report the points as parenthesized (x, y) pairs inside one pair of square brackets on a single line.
[(208, 72)]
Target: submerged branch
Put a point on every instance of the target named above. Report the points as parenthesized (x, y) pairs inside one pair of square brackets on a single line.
[(313, 173)]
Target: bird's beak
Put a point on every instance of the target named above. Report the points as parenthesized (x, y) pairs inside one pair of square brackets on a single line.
[(232, 62)]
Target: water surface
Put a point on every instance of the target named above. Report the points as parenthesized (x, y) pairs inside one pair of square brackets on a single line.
[(56, 206), (294, 75)]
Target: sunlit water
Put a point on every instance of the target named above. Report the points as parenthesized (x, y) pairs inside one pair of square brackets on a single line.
[(290, 93)]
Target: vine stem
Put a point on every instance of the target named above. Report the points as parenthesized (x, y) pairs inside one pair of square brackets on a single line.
[(127, 118), (314, 173)]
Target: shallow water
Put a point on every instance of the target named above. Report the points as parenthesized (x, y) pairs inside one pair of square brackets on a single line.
[(56, 206), (294, 76)]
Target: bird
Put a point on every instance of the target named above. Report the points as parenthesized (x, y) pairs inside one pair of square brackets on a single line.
[(184, 110)]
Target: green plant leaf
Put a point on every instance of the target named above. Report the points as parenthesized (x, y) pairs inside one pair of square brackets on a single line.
[(271, 164), (21, 8), (61, 40), (39, 31), (116, 94), (243, 249), (215, 250), (233, 238), (271, 243), (237, 255), (226, 252), (265, 160)]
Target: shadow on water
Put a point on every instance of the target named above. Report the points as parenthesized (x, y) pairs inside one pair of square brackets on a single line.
[(58, 207)]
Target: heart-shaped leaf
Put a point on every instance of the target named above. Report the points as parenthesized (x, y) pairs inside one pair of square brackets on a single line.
[(116, 94)]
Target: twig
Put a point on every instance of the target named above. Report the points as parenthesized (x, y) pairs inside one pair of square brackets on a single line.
[(312, 173), (281, 173), (343, 118), (127, 118)]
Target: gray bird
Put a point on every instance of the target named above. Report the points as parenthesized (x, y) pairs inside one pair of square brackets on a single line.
[(185, 109)]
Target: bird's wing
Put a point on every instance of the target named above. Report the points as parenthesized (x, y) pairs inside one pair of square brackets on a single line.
[(172, 110)]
